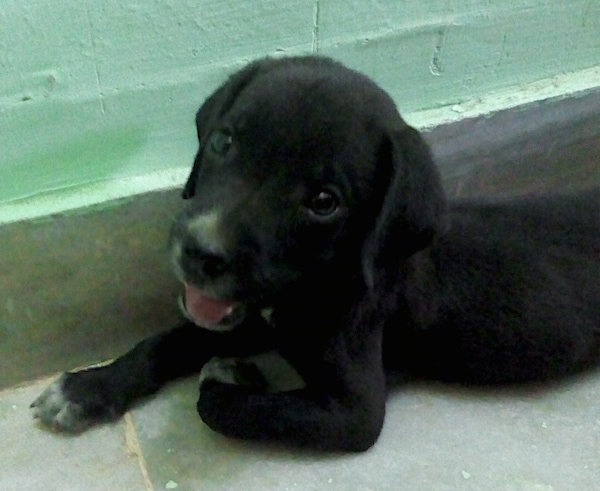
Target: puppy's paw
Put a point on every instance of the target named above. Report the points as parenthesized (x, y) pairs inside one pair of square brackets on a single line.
[(233, 371), (54, 409), (72, 403)]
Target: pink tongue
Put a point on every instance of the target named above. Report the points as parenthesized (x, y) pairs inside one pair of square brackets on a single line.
[(204, 310)]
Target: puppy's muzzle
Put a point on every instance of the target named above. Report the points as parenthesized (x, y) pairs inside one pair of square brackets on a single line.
[(199, 246), (203, 262)]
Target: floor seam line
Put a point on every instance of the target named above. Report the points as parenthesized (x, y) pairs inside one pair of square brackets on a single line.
[(133, 447)]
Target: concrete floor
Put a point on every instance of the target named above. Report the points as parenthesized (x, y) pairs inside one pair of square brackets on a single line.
[(435, 438)]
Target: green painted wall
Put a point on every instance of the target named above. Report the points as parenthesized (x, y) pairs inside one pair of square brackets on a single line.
[(97, 98)]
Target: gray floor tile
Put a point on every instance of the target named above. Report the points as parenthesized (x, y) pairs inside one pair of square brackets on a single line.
[(435, 437), (32, 458)]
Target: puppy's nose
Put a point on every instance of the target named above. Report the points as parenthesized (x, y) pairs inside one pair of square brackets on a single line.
[(203, 244), (205, 262)]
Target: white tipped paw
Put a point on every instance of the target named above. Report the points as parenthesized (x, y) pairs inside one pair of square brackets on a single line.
[(54, 409), (76, 401)]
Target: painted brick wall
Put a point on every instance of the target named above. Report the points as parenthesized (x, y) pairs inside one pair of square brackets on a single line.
[(97, 98)]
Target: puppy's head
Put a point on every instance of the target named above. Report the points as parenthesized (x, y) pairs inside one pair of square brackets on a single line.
[(304, 170)]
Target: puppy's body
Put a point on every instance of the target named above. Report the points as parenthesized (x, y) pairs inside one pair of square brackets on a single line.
[(311, 197), (511, 294)]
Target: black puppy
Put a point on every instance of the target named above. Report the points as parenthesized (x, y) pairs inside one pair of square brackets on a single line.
[(312, 198)]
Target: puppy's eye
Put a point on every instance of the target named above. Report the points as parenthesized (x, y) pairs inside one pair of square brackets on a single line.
[(221, 141), (324, 203)]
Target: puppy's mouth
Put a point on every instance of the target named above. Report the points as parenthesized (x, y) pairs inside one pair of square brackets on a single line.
[(209, 312)]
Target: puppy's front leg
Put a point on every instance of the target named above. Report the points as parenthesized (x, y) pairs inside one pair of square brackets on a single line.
[(334, 411), (80, 399)]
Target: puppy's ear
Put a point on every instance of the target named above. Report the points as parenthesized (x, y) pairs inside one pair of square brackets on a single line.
[(213, 108), (414, 204)]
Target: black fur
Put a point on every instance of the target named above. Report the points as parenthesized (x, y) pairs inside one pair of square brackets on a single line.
[(393, 279)]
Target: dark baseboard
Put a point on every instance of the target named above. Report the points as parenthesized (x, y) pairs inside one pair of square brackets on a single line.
[(541, 147), (79, 288)]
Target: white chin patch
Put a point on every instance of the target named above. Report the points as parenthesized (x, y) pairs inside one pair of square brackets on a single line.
[(222, 326)]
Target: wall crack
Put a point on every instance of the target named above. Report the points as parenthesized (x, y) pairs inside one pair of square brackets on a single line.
[(95, 59), (316, 48), (436, 66)]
